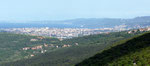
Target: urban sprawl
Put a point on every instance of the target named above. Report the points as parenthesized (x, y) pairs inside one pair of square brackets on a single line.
[(62, 33), (65, 33)]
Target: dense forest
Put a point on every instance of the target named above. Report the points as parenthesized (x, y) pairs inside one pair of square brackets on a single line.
[(129, 52), (81, 48)]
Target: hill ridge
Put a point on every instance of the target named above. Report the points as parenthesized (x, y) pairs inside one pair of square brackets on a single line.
[(107, 56)]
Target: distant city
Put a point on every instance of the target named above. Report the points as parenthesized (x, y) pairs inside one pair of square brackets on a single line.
[(63, 33), (76, 27)]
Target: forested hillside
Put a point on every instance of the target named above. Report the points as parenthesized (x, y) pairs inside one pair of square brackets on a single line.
[(131, 52), (15, 46), (80, 49)]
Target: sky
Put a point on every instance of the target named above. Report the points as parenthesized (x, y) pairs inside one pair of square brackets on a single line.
[(34, 10)]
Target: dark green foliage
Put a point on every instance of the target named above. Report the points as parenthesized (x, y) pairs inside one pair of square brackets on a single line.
[(88, 46), (129, 52)]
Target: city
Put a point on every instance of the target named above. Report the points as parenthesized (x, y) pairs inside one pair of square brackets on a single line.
[(63, 33)]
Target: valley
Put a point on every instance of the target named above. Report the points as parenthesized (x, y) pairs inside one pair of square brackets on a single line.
[(37, 50)]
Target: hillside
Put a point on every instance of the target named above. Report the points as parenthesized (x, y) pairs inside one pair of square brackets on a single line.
[(15, 46), (69, 56), (131, 52)]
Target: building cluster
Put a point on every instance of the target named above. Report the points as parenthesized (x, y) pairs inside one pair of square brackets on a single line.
[(60, 32), (42, 48), (47, 45), (33, 48), (141, 30), (38, 47), (66, 45)]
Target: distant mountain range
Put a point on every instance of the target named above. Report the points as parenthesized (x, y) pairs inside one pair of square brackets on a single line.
[(137, 22)]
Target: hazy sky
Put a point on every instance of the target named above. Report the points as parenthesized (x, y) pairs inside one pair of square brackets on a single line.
[(70, 9)]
